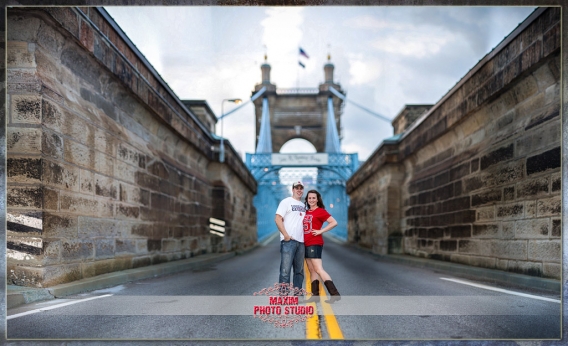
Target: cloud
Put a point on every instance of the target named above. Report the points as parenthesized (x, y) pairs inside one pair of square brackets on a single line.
[(369, 22), (363, 69), (413, 42)]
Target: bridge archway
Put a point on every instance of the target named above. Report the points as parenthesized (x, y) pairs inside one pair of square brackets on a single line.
[(297, 145)]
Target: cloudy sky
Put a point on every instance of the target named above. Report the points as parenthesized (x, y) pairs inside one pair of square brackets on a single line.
[(384, 57)]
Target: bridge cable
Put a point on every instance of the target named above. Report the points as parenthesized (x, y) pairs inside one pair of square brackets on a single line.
[(341, 96)]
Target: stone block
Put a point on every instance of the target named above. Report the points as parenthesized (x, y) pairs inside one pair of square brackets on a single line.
[(533, 187), (483, 262), (154, 245), (98, 227), (170, 245), (60, 175), (141, 262), (549, 114), (51, 252), (23, 140), (501, 264), (508, 249), (556, 182), (484, 214), (23, 169), (532, 228), (85, 205), (105, 142), (142, 230), (542, 162), (496, 156), (81, 65), (77, 249), (486, 197), (544, 77), (461, 231), (141, 246), (25, 109), (471, 247), (509, 193), (552, 270), (128, 193), (549, 206), (125, 172), (525, 267), (128, 154), (556, 228), (26, 197), (530, 209), (504, 174), (126, 246), (510, 211), (104, 164), (52, 145), (127, 211), (508, 230), (104, 248), (147, 181), (160, 201), (106, 186), (20, 54), (490, 230), (545, 250), (87, 182), (461, 259), (57, 225), (79, 154)]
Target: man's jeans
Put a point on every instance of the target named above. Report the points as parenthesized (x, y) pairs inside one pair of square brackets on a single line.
[(291, 253)]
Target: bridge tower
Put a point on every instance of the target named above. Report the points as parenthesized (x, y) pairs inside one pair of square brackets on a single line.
[(313, 114), (298, 112)]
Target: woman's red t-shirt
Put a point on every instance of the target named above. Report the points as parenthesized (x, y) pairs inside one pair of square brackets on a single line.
[(313, 220)]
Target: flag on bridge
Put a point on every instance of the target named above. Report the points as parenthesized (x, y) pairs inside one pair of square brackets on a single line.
[(303, 53), (303, 66)]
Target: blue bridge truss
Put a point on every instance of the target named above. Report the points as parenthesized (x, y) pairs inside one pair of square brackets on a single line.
[(325, 172)]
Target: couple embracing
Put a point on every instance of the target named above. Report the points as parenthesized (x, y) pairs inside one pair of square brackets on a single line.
[(299, 223)]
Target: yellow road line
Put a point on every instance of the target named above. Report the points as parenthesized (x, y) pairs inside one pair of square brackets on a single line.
[(312, 323)]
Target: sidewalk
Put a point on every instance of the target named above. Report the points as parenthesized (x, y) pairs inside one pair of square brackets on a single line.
[(471, 272), (18, 295)]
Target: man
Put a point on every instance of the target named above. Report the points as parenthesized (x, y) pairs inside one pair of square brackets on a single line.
[(289, 217)]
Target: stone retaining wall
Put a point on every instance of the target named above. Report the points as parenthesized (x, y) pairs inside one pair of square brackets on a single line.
[(107, 170), (477, 179)]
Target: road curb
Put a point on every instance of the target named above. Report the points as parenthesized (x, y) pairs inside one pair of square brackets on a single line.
[(17, 295), (462, 270)]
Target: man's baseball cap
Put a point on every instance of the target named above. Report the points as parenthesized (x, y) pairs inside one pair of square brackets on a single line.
[(297, 183)]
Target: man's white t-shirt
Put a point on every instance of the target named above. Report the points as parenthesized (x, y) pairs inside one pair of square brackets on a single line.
[(293, 212)]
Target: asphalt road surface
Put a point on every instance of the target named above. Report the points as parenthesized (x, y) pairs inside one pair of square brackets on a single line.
[(380, 301)]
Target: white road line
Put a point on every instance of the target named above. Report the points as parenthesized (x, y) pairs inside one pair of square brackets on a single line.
[(503, 291), (54, 307)]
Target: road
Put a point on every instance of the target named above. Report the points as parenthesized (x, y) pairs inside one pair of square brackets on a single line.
[(380, 300)]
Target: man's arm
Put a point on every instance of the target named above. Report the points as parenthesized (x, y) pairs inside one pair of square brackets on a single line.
[(280, 224)]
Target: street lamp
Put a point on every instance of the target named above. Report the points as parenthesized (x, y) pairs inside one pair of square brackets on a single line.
[(222, 147)]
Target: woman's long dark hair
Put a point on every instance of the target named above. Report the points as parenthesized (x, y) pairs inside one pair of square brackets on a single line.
[(320, 201)]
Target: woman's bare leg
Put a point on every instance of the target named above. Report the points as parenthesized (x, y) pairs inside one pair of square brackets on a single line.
[(317, 264)]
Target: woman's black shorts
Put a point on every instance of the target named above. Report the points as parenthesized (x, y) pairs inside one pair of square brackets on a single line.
[(314, 251)]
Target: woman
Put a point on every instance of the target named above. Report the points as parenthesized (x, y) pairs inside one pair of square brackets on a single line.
[(315, 217)]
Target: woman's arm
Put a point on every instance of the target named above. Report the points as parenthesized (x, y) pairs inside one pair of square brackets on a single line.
[(331, 223)]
